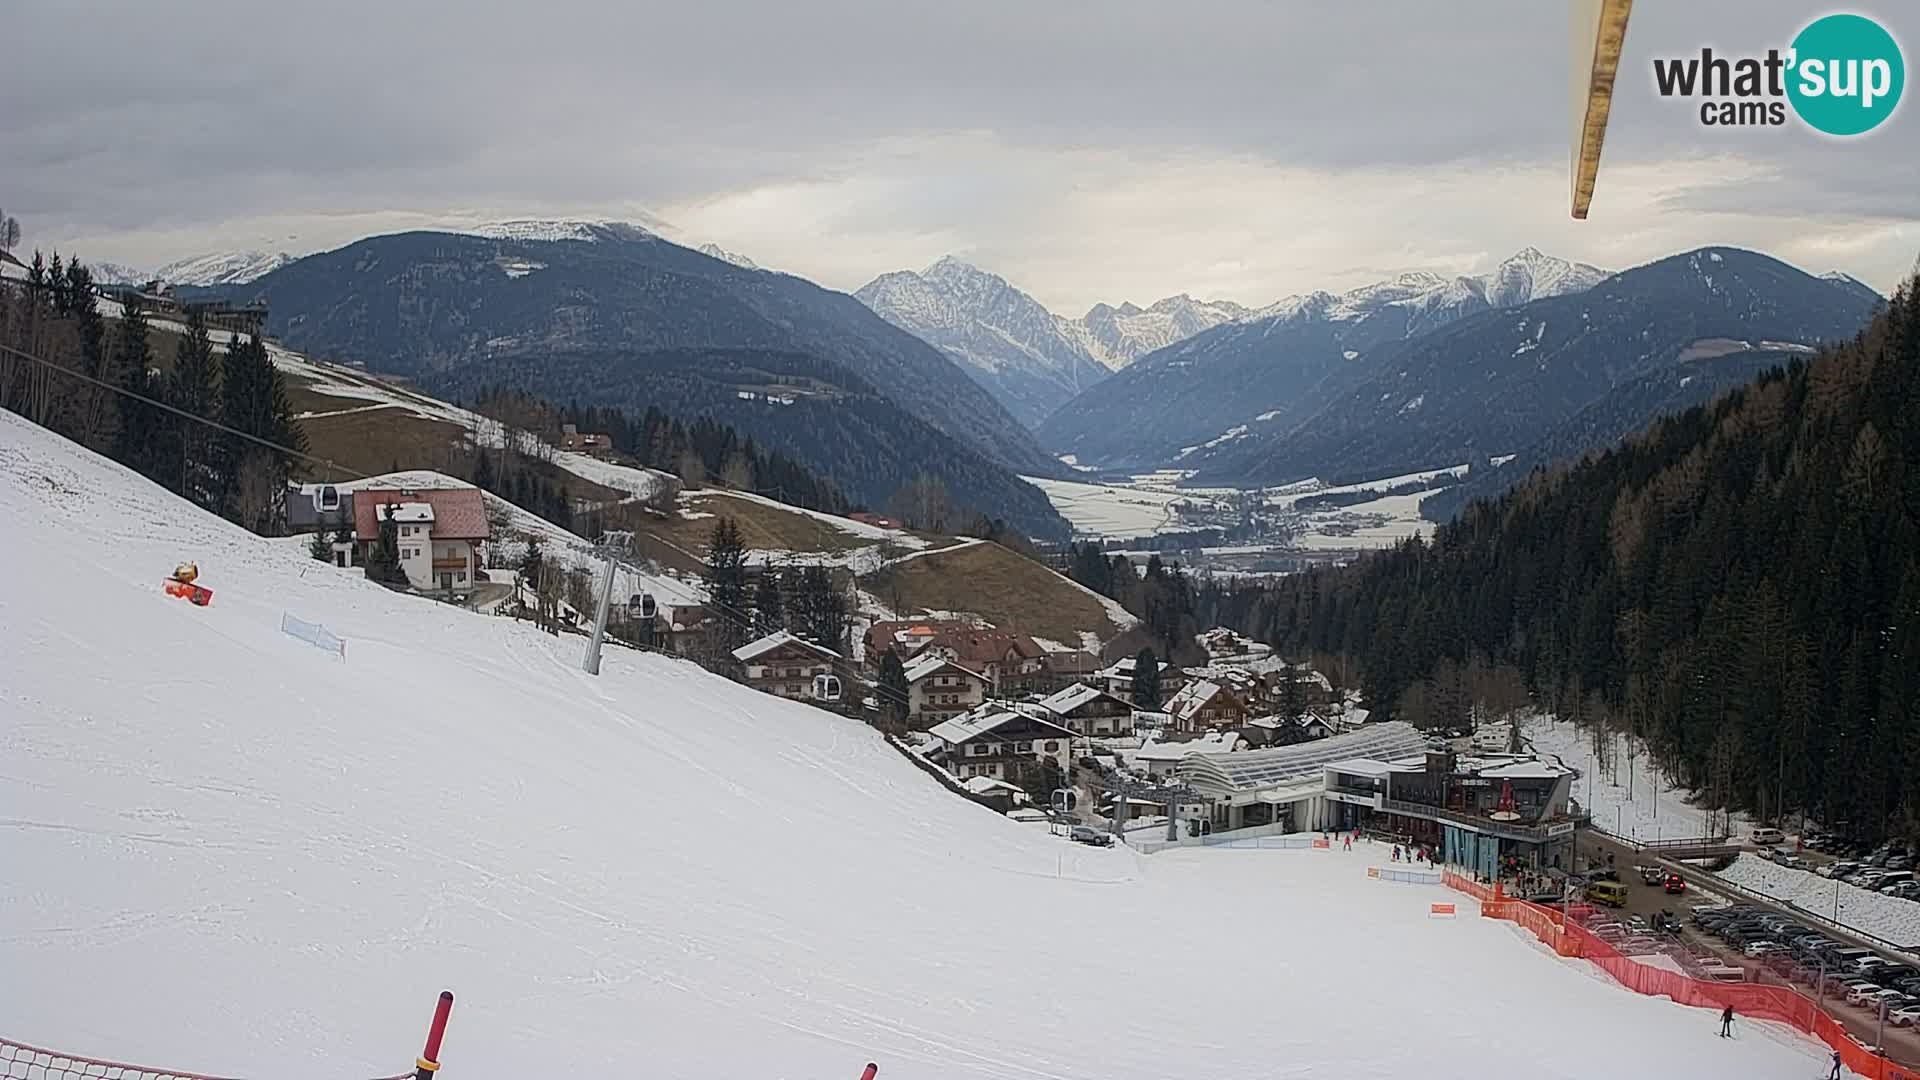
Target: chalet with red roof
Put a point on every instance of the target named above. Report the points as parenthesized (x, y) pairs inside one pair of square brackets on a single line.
[(439, 532)]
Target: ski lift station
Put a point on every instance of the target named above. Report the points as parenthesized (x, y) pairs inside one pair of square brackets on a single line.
[(1383, 777)]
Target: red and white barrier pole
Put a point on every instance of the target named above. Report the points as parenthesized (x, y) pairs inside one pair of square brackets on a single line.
[(429, 1061), (872, 1071)]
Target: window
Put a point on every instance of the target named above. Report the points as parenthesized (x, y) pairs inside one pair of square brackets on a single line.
[(976, 749), (460, 576), (1053, 747)]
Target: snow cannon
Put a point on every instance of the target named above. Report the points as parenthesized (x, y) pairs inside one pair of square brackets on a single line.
[(183, 584)]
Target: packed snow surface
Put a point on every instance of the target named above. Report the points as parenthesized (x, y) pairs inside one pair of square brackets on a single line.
[(1885, 917), (230, 852), (1647, 808)]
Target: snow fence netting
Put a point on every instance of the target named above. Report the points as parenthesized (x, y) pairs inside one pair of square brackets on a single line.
[(313, 634), (1750, 1000)]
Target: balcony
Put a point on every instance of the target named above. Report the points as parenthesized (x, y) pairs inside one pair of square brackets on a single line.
[(1513, 830), (449, 564)]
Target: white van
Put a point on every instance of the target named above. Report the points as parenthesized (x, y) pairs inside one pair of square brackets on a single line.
[(1765, 836)]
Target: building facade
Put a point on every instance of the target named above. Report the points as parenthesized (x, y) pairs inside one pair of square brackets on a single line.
[(1000, 743), (439, 532), (939, 690), (784, 665)]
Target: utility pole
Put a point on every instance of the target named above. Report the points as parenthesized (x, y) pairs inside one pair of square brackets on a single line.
[(611, 547)]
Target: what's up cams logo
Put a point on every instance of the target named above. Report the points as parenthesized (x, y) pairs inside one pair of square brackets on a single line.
[(1842, 76)]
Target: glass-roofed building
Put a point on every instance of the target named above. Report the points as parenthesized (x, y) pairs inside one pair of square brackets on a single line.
[(1286, 785)]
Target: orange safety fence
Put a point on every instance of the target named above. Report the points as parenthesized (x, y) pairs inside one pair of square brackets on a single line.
[(1750, 1000)]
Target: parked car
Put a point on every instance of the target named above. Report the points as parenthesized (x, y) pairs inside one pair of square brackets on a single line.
[(1904, 1016), (1087, 834), (1855, 991), (1766, 835), (1756, 949), (1838, 870), (1906, 890)]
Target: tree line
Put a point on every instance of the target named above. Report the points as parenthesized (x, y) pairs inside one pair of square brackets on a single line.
[(1738, 585), (701, 452), (230, 446)]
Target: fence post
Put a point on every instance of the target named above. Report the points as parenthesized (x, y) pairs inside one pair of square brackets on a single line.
[(429, 1061)]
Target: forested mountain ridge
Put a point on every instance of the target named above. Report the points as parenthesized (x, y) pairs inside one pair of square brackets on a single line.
[(423, 304), (813, 412), (1270, 368), (1740, 584), (1499, 382)]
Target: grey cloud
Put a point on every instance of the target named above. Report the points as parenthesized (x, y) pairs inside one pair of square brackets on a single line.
[(148, 121)]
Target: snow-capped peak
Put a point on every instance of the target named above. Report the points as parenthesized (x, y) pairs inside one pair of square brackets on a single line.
[(718, 252), (1531, 275), (224, 268), (552, 229)]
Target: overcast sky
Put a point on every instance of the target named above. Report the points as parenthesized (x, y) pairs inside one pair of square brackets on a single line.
[(1107, 150)]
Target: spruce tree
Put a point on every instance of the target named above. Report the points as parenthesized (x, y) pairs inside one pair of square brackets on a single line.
[(894, 700), (769, 609), (137, 440), (726, 580), (192, 466), (1146, 680), (254, 400)]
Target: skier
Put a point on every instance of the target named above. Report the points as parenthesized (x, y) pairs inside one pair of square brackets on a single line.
[(1835, 1074), (1726, 1022), (1347, 845), (1396, 853)]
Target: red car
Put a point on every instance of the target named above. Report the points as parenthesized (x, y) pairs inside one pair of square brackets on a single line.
[(1676, 884)]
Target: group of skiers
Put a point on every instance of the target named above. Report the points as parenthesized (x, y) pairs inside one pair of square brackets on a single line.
[(1413, 854)]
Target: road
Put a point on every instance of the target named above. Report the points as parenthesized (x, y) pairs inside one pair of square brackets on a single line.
[(1902, 1044)]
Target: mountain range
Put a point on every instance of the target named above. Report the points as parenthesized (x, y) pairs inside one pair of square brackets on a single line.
[(1029, 358), (1510, 379), (1174, 402), (570, 310), (218, 268)]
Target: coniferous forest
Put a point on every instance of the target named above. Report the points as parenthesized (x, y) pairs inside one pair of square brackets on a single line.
[(1739, 584), (223, 433)]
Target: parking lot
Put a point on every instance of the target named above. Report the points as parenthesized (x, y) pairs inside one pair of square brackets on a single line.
[(1711, 931)]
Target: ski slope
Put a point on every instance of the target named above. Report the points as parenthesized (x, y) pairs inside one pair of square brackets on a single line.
[(230, 852)]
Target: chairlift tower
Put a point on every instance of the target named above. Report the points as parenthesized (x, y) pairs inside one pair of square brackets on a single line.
[(613, 547), (1170, 795)]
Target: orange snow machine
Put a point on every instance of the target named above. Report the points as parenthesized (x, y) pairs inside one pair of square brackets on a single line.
[(184, 584)]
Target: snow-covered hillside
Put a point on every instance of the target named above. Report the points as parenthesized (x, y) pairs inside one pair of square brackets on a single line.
[(228, 851), (218, 268), (223, 268)]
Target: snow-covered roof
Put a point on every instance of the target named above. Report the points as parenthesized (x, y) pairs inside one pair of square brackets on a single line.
[(411, 513), (751, 649), (982, 785), (1215, 742), (1193, 697), (985, 721), (1526, 770), (923, 666), (1065, 701), (1286, 764)]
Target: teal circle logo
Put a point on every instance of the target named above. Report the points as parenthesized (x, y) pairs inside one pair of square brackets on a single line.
[(1847, 74)]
